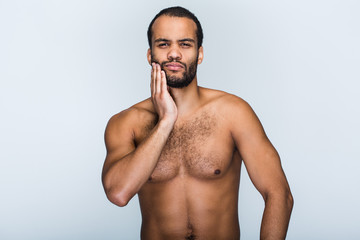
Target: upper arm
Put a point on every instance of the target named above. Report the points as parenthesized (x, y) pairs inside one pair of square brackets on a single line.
[(260, 157), (119, 138)]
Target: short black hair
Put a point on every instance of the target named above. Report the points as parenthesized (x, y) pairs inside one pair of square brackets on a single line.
[(178, 12)]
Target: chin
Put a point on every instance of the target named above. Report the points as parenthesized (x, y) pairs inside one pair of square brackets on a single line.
[(178, 74)]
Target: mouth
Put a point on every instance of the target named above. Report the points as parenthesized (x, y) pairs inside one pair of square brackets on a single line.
[(174, 66)]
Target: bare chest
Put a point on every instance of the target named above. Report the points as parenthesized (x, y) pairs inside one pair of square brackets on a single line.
[(198, 147)]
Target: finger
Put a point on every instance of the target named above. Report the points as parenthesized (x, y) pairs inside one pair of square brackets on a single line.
[(155, 77), (152, 83), (158, 79), (164, 87)]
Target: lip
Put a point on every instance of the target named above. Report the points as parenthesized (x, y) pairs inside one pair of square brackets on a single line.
[(174, 66)]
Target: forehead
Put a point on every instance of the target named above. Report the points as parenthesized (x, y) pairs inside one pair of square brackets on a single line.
[(173, 28)]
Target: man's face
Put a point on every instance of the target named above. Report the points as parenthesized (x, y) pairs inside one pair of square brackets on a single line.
[(174, 47)]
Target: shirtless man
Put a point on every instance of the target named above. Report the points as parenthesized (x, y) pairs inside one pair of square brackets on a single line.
[(181, 150)]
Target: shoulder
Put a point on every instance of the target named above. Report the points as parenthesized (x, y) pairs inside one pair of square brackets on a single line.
[(235, 112), (133, 116), (225, 103)]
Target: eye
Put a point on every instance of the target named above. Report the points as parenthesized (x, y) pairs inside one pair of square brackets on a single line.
[(185, 44), (163, 45)]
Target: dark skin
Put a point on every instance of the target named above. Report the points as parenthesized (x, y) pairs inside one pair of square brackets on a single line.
[(181, 151)]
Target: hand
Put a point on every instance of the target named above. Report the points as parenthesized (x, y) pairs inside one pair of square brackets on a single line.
[(160, 96)]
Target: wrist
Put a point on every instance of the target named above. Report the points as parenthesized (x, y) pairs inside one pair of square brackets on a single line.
[(167, 123)]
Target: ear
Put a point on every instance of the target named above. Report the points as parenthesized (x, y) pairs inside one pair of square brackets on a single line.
[(200, 55), (149, 56)]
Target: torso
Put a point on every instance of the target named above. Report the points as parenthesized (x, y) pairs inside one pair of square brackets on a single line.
[(193, 190)]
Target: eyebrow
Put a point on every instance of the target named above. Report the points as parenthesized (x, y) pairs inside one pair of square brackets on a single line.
[(187, 40), (162, 40), (181, 40)]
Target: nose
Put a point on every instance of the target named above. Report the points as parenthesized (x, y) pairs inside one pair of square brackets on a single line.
[(174, 54)]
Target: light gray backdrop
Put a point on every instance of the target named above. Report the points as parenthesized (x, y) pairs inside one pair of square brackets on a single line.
[(67, 66)]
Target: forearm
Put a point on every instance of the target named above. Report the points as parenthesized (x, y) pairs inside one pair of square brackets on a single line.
[(124, 178), (276, 216)]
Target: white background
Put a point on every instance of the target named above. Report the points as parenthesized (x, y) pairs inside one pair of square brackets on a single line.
[(67, 66)]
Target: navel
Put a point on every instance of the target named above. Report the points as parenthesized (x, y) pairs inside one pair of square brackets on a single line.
[(190, 235), (217, 171)]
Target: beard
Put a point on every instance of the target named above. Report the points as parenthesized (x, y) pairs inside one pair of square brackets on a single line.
[(187, 76)]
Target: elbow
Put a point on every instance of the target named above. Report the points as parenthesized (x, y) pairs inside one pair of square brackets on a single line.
[(118, 191), (283, 197), (116, 194), (287, 200), (290, 200), (120, 198)]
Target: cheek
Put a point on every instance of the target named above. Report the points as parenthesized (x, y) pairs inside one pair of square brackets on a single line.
[(193, 60), (153, 56), (193, 56), (159, 53)]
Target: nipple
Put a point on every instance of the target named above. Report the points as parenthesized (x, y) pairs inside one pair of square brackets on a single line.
[(217, 171)]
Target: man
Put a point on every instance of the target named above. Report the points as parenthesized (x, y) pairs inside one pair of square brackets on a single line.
[(181, 150)]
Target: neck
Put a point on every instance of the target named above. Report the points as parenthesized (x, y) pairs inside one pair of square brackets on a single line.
[(187, 98)]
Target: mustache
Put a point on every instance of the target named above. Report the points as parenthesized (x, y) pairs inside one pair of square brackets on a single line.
[(166, 62)]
